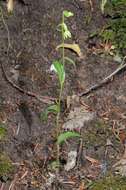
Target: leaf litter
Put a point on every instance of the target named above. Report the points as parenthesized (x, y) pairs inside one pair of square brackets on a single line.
[(78, 118)]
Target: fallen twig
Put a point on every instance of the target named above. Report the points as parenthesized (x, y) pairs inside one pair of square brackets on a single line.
[(44, 99), (80, 152), (24, 175), (104, 81)]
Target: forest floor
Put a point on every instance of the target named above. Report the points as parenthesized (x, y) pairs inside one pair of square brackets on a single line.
[(28, 149)]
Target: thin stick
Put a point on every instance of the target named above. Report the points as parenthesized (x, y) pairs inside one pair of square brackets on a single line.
[(104, 81), (11, 185), (24, 175), (80, 152), (44, 99)]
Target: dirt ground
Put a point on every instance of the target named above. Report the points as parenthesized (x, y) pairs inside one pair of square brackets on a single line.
[(30, 142)]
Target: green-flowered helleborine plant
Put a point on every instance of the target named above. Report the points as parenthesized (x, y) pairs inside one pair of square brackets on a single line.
[(58, 67)]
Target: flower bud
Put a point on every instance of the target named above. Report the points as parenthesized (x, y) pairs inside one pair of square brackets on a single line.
[(10, 6)]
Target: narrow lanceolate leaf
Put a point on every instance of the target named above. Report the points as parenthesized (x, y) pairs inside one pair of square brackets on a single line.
[(67, 13), (70, 61), (59, 69), (73, 47), (103, 3), (66, 135), (51, 109)]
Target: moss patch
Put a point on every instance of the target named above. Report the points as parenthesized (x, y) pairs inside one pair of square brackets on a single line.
[(3, 131), (96, 135), (114, 31), (110, 183), (5, 165)]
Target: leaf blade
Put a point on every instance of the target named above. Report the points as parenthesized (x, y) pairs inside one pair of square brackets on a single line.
[(70, 61), (66, 135), (51, 109), (67, 13), (73, 47), (59, 69)]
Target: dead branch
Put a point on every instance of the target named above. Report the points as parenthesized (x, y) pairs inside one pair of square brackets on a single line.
[(44, 99), (105, 80)]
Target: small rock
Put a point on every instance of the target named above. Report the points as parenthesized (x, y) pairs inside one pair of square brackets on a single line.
[(78, 118), (71, 162), (15, 74)]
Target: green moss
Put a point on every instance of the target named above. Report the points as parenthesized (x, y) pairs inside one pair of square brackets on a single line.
[(5, 165), (115, 8), (115, 33), (110, 183), (3, 131)]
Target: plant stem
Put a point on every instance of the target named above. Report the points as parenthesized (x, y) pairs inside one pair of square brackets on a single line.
[(63, 60), (61, 89), (58, 119)]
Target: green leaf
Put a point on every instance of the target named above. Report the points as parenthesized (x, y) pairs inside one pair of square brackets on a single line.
[(70, 61), (103, 3), (55, 165), (66, 135), (59, 27), (67, 13), (51, 109), (58, 67)]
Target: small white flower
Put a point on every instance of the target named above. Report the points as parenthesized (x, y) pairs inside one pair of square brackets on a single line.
[(52, 68), (67, 34)]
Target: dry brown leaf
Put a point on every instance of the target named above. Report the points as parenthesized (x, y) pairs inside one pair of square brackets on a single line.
[(122, 136), (82, 186), (74, 47), (120, 166)]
